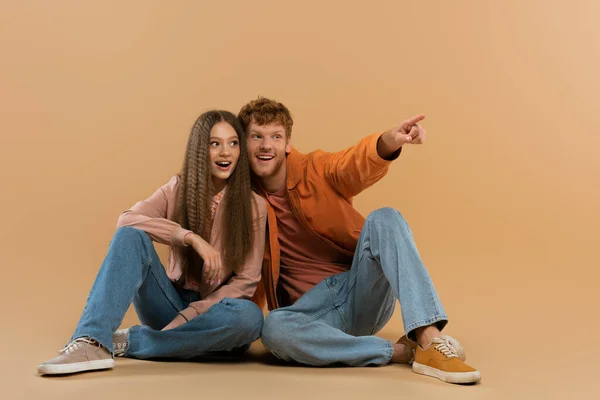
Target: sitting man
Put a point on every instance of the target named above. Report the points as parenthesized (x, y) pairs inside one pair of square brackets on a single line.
[(331, 277)]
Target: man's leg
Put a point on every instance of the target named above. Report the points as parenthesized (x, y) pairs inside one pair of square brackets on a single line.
[(312, 331), (387, 265), (336, 320), (386, 252)]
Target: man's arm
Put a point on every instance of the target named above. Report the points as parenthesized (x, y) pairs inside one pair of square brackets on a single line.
[(390, 143), (355, 169)]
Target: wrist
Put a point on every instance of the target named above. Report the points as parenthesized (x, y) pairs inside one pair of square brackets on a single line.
[(387, 146), (189, 238), (188, 313)]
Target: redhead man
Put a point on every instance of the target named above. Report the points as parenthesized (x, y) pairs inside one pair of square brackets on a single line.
[(331, 277)]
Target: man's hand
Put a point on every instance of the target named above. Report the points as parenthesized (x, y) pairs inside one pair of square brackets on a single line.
[(213, 266), (178, 320), (408, 131)]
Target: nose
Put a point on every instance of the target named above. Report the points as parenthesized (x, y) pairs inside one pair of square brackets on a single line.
[(224, 151), (266, 144)]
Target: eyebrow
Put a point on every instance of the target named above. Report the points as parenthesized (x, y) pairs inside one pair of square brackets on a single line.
[(260, 133), (229, 138)]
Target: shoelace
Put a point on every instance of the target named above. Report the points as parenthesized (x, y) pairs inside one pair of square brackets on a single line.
[(74, 345), (444, 346)]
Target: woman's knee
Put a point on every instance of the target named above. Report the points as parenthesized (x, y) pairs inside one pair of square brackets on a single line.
[(128, 236), (246, 316)]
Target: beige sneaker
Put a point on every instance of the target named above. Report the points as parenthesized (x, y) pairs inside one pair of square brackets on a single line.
[(82, 354), (120, 342), (413, 346), (441, 360)]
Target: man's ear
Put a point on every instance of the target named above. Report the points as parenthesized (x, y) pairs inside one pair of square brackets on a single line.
[(288, 145)]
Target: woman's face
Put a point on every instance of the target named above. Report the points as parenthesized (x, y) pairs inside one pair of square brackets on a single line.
[(224, 150)]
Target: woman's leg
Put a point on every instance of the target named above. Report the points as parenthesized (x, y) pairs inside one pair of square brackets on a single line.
[(130, 262), (130, 258), (231, 324)]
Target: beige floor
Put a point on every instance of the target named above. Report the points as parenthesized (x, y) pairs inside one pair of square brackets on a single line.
[(521, 352)]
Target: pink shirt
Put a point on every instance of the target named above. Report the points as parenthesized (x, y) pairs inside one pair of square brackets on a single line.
[(156, 217)]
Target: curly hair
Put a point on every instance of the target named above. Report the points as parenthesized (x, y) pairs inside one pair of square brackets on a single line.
[(264, 111), (195, 195)]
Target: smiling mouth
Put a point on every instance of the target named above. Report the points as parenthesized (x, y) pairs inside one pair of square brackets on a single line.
[(223, 165), (265, 158)]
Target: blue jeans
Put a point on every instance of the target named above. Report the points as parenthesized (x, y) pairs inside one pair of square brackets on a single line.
[(132, 272), (335, 322)]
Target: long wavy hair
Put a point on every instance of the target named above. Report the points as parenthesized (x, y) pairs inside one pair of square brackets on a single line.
[(195, 193)]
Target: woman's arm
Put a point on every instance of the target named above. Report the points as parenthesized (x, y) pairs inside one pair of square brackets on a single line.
[(242, 284), (150, 216)]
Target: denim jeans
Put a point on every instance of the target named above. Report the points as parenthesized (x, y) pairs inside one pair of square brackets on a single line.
[(335, 322), (132, 272)]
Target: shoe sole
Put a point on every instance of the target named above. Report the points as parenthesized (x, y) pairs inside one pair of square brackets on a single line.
[(58, 369), (450, 377)]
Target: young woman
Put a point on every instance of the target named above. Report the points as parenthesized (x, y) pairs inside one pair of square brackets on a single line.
[(201, 303)]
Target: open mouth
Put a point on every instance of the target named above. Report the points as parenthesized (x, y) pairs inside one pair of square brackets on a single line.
[(223, 165), (265, 157)]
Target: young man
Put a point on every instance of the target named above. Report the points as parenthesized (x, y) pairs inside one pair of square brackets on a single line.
[(331, 277)]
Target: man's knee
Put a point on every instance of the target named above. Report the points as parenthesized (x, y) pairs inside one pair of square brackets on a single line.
[(387, 217), (277, 332)]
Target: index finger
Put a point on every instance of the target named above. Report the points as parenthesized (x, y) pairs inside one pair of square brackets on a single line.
[(413, 120)]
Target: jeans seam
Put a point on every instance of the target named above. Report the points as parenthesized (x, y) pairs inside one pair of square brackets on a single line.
[(338, 304), (433, 297), (390, 352), (145, 239), (163, 290)]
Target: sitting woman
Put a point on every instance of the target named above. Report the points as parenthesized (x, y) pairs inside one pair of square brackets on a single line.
[(201, 303)]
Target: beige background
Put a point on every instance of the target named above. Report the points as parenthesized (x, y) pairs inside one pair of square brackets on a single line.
[(97, 99)]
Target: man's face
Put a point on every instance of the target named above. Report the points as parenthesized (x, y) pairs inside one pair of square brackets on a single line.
[(267, 149)]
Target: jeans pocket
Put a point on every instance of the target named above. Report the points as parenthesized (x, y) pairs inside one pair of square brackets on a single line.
[(340, 286)]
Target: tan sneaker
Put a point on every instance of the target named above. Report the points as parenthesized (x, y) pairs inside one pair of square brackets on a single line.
[(441, 360), (413, 346), (120, 342), (82, 354)]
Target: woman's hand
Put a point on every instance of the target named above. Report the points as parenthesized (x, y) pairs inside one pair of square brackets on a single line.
[(177, 321), (213, 266)]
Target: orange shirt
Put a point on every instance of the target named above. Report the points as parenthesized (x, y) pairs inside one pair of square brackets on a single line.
[(320, 189), (305, 258)]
